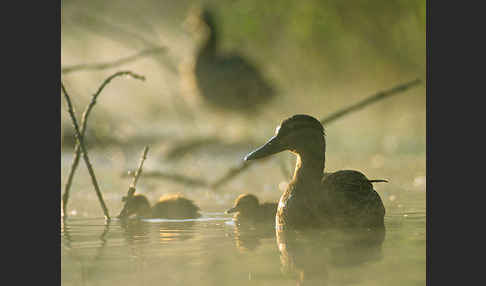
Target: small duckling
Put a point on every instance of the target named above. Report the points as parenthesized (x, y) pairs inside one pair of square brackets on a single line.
[(248, 208), (172, 206)]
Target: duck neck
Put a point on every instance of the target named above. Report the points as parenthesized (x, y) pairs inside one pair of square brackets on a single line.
[(309, 166), (209, 47)]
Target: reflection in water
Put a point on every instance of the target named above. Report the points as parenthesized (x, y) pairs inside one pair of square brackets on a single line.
[(248, 234), (69, 240), (88, 266), (202, 252), (136, 230), (308, 254), (175, 231), (143, 236)]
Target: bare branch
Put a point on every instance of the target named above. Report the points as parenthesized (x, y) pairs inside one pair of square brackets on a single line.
[(85, 153), (112, 64), (369, 100), (133, 185), (84, 122)]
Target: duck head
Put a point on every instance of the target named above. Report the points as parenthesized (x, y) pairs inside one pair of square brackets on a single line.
[(300, 134), (245, 203), (201, 23), (208, 19), (138, 205)]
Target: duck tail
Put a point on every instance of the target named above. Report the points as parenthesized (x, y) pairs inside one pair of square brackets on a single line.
[(378, 181)]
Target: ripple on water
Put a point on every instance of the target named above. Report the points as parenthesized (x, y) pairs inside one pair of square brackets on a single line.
[(212, 250)]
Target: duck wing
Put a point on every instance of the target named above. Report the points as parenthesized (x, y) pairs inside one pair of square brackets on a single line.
[(175, 207), (351, 200)]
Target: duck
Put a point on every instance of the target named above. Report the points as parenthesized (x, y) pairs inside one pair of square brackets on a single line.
[(341, 199), (226, 81), (248, 208), (171, 206)]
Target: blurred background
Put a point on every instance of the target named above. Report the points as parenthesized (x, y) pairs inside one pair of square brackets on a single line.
[(317, 56)]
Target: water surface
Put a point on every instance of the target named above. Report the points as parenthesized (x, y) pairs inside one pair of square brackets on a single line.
[(212, 250)]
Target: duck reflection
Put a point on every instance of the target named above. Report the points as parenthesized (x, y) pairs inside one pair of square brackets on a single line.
[(137, 230), (309, 255), (175, 231), (248, 235)]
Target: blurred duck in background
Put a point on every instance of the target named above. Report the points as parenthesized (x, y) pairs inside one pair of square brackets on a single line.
[(225, 81)]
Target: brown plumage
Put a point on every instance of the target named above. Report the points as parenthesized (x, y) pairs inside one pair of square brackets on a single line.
[(227, 81), (340, 199), (247, 208), (173, 206)]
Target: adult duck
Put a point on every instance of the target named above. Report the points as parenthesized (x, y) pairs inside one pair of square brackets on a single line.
[(173, 206), (248, 208), (227, 81), (313, 199)]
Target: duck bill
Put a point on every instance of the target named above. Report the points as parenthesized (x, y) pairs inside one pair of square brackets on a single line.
[(272, 146)]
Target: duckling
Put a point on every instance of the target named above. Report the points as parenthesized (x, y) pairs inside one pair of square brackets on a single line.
[(248, 208), (227, 82), (341, 199), (173, 206)]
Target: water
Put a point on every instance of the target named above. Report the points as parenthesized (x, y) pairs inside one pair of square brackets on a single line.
[(212, 250)]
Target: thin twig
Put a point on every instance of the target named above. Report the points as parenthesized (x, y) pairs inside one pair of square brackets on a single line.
[(85, 153), (84, 122), (133, 185), (106, 65), (367, 101)]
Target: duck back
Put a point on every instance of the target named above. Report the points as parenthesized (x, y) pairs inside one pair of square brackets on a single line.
[(175, 207), (351, 200)]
